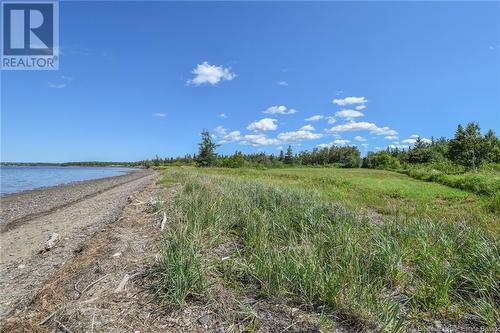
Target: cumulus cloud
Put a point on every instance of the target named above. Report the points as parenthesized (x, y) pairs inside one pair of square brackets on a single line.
[(279, 109), (338, 142), (350, 100), (258, 140), (391, 137), (413, 139), (265, 124), (315, 117), (299, 135), (283, 83), (359, 138), (222, 135), (331, 120), (159, 114), (360, 107), (307, 128), (222, 115), (362, 126), (414, 136), (349, 114), (210, 74)]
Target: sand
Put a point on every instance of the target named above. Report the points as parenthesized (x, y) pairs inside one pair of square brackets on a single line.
[(75, 212)]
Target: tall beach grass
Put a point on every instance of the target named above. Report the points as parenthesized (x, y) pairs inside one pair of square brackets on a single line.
[(296, 245)]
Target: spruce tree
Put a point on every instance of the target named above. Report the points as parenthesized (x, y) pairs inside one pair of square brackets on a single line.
[(206, 151)]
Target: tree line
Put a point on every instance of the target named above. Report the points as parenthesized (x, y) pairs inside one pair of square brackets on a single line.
[(467, 150)]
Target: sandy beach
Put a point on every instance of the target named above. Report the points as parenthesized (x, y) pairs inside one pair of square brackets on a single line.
[(74, 213)]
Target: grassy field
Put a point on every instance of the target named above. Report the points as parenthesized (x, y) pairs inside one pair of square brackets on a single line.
[(389, 194), (376, 248)]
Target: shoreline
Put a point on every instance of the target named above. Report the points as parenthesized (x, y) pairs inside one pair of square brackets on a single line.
[(73, 214), (5, 195), (28, 204)]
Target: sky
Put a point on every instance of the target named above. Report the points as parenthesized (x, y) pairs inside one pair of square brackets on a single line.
[(137, 79)]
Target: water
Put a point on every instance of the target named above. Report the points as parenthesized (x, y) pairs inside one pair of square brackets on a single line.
[(21, 178)]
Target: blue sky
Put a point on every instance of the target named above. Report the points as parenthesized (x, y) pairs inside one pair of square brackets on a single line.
[(144, 78)]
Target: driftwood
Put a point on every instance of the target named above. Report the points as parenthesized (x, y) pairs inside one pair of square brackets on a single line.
[(163, 221), (49, 317)]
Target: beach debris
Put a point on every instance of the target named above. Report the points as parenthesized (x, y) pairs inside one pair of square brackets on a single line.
[(51, 242), (80, 293), (204, 319), (49, 317), (21, 266), (62, 327), (127, 277), (163, 221), (122, 284), (117, 254)]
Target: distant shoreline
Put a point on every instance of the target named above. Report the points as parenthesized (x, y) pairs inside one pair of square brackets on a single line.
[(73, 164)]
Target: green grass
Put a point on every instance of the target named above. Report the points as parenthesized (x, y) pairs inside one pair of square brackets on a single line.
[(297, 243), (388, 193), (483, 183)]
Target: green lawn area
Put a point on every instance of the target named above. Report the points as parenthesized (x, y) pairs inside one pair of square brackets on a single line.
[(388, 193)]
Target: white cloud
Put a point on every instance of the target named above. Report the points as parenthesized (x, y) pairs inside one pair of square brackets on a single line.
[(341, 142), (315, 117), (258, 140), (338, 142), (414, 136), (331, 120), (350, 100), (339, 92), (299, 135), (223, 115), (265, 124), (307, 128), (279, 109), (223, 136), (57, 85), (359, 138), (413, 139), (360, 107), (283, 83), (210, 74), (159, 114), (391, 137), (349, 114), (362, 126), (365, 145)]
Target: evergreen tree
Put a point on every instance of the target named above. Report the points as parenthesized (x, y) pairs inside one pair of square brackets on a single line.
[(281, 158), (289, 155), (206, 151)]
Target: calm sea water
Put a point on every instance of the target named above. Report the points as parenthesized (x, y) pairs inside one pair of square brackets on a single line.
[(20, 178)]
